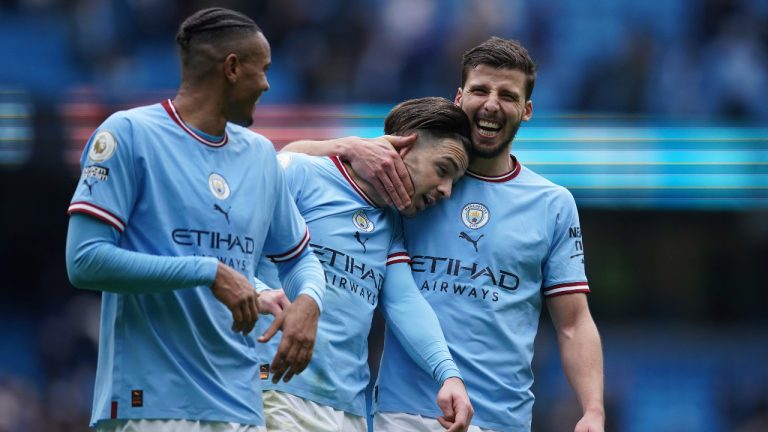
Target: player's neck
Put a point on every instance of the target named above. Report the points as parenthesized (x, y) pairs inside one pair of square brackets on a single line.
[(492, 167), (200, 111), (367, 188)]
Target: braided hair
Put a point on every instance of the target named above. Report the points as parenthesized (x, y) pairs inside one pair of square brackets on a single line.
[(208, 33)]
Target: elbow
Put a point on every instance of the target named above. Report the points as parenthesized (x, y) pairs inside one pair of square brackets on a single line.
[(78, 273), (78, 278)]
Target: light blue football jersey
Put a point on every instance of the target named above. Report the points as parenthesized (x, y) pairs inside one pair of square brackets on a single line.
[(484, 260), (173, 191), (355, 241)]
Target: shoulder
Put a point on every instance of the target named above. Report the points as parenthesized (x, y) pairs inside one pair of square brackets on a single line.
[(311, 170), (552, 191), (291, 161), (118, 132), (124, 123), (137, 115)]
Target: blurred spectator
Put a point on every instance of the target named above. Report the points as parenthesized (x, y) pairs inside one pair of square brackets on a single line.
[(757, 421), (735, 67), (619, 84), (711, 61)]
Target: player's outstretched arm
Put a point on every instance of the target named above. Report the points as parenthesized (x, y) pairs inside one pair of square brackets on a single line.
[(425, 344), (581, 355), (375, 159)]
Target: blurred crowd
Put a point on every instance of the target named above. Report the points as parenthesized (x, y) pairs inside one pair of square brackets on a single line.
[(677, 57)]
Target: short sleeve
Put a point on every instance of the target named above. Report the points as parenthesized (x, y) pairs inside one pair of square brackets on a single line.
[(107, 185), (397, 252), (564, 268), (294, 168), (288, 234)]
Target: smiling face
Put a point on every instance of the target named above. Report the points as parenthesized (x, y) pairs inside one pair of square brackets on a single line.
[(494, 99), (434, 164), (250, 80)]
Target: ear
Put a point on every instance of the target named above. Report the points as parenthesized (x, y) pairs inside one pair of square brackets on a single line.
[(457, 98), (404, 150), (528, 113), (231, 68)]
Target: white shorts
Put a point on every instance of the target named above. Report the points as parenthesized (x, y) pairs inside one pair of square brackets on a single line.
[(174, 426), (285, 412), (398, 422)]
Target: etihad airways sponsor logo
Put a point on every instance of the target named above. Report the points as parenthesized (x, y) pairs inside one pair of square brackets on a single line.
[(454, 267), (350, 273), (350, 265), (213, 240), (460, 289)]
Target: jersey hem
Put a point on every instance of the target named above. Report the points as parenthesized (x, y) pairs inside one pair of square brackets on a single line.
[(293, 253), (97, 212), (180, 416), (399, 257), (566, 288)]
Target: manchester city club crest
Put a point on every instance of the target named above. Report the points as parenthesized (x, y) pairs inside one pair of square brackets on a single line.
[(218, 186), (475, 215), (103, 147), (361, 221)]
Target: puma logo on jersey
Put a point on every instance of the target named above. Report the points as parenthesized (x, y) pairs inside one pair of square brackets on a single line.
[(360, 240), (221, 210), (89, 185), (466, 237)]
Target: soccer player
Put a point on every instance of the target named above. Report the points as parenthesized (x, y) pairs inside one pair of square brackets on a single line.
[(359, 241), (176, 203), (486, 260)]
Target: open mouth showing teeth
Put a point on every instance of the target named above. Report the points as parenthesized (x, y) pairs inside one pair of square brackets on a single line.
[(488, 128)]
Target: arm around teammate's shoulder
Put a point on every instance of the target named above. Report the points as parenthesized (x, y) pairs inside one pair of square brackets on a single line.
[(376, 160)]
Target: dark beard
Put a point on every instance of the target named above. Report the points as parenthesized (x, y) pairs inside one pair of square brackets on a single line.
[(493, 152)]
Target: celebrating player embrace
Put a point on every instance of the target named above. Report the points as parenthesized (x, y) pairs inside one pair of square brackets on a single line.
[(359, 242), (486, 260)]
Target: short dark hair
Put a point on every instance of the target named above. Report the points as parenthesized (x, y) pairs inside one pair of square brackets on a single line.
[(502, 54), (212, 27), (436, 116)]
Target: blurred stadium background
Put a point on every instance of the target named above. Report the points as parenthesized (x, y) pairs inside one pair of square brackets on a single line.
[(653, 113)]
